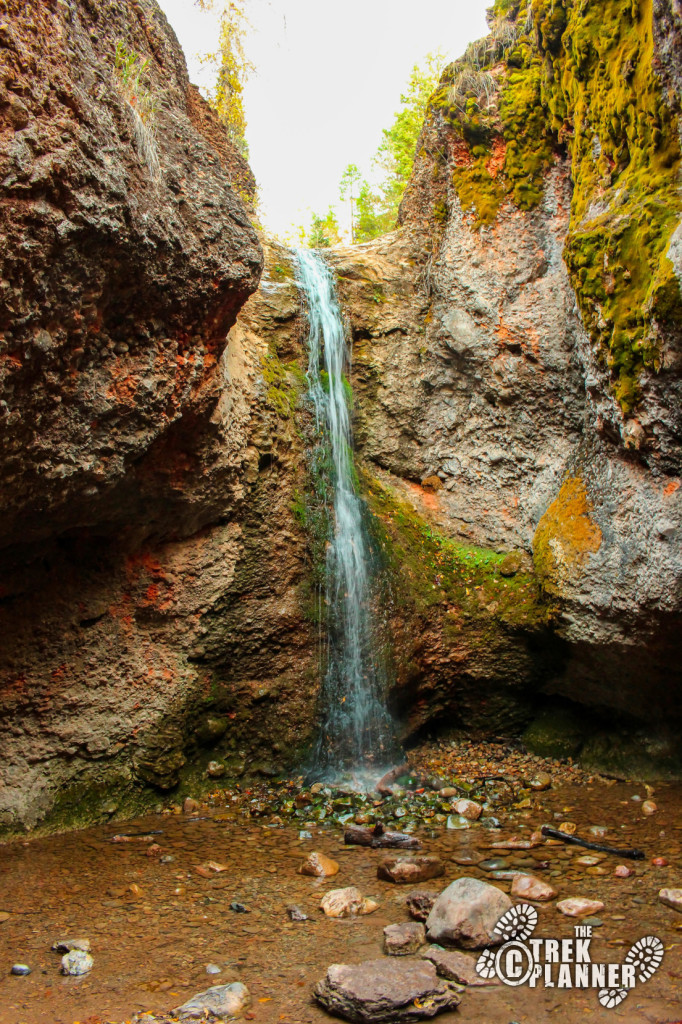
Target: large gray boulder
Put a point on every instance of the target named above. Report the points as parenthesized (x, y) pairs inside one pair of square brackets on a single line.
[(465, 914)]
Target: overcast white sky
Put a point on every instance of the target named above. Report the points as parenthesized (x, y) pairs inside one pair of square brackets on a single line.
[(328, 78)]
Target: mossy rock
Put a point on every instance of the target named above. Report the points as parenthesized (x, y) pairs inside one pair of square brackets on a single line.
[(556, 732), (210, 729)]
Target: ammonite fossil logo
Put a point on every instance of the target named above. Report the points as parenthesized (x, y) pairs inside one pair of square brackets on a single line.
[(565, 963)]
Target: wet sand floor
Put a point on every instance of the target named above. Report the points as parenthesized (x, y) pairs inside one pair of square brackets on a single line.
[(151, 947)]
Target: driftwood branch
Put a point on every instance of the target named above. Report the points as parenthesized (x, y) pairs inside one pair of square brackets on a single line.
[(553, 833)]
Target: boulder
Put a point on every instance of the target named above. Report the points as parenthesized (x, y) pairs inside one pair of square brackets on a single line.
[(404, 939), (466, 913), (385, 991), (318, 865), (220, 1000), (406, 870)]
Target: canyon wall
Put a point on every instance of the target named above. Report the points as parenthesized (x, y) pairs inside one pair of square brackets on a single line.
[(150, 563), (516, 388), (517, 370)]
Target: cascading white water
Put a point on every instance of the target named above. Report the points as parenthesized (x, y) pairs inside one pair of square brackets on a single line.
[(356, 730)]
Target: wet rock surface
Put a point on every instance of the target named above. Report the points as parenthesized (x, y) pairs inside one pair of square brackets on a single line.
[(385, 991)]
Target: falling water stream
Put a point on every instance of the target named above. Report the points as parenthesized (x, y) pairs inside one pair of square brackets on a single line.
[(356, 730)]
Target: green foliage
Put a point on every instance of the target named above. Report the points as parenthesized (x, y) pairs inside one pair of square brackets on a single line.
[(233, 69), (132, 75), (324, 231)]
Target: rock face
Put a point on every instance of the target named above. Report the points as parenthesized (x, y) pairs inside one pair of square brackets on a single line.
[(153, 571), (517, 386), (385, 991), (466, 913)]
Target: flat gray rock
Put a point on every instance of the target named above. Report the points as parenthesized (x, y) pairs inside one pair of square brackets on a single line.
[(457, 966), (386, 991)]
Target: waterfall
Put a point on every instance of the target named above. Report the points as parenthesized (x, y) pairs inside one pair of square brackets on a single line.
[(356, 730)]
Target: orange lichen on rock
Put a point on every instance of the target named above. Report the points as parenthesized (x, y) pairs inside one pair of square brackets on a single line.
[(565, 537)]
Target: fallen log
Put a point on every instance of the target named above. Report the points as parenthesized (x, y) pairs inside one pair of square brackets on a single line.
[(553, 833), (378, 837)]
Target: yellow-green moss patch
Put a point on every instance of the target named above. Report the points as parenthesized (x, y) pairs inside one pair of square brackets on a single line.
[(565, 537)]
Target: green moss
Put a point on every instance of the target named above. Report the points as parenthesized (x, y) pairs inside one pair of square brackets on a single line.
[(286, 380), (565, 537), (581, 75), (432, 569)]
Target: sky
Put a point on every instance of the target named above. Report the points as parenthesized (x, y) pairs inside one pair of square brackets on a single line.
[(328, 78)]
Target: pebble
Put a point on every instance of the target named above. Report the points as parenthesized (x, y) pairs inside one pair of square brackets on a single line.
[(671, 898), (213, 969), (404, 939), (346, 903), (540, 781), (66, 945), (569, 827), (296, 914), (649, 807), (466, 860), (494, 864), (587, 861), (239, 908), (527, 887), (579, 906), (660, 862), (20, 969), (623, 871), (319, 866), (468, 809), (76, 963)]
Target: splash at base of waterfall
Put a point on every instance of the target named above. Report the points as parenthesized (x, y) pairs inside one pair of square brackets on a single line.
[(357, 734)]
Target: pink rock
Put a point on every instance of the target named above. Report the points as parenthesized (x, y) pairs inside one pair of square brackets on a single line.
[(623, 871), (468, 809), (671, 898), (528, 887), (579, 906)]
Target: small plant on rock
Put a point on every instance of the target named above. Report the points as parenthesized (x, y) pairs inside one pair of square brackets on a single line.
[(131, 72)]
